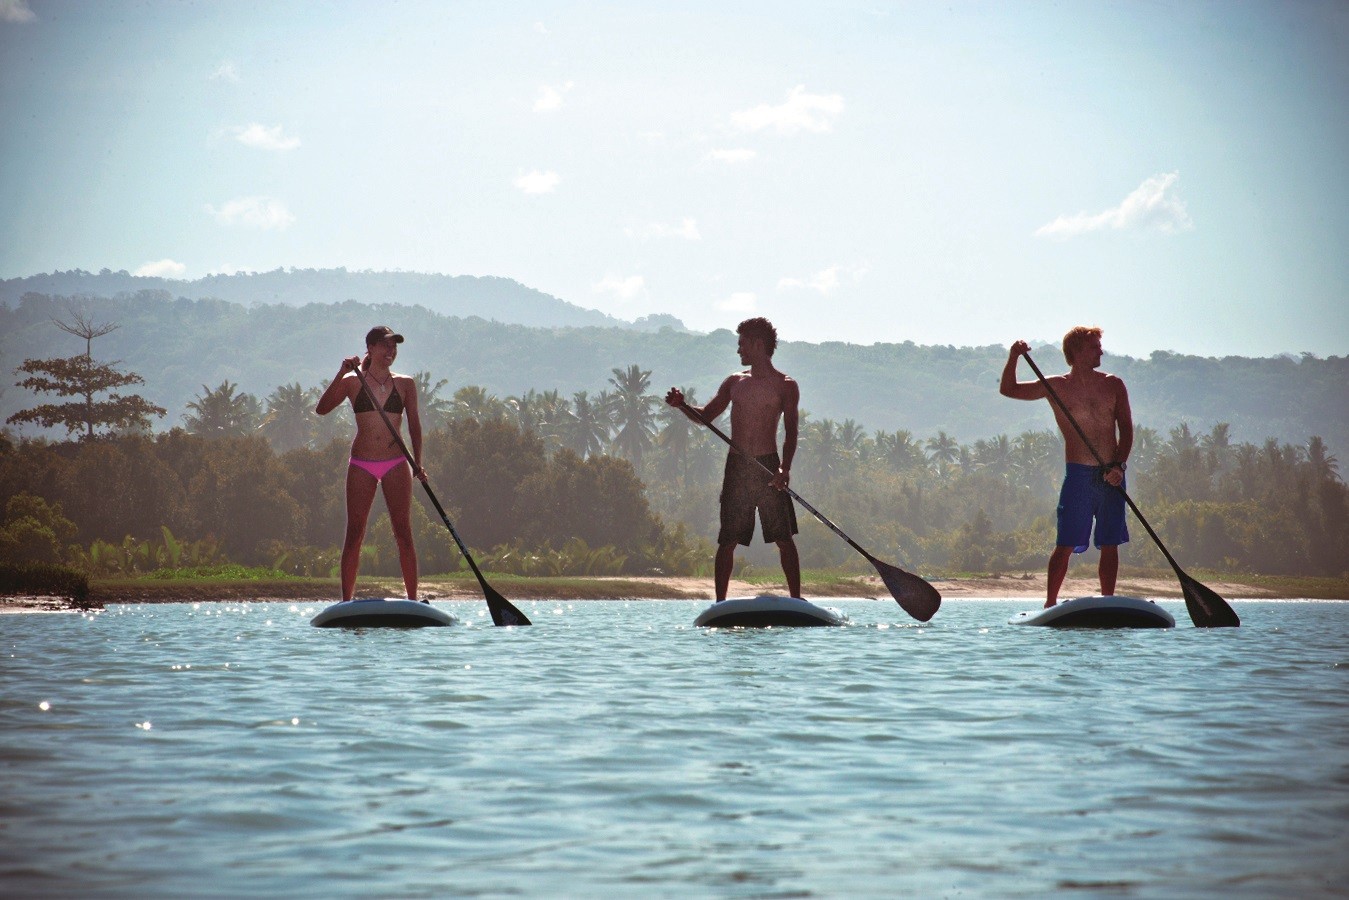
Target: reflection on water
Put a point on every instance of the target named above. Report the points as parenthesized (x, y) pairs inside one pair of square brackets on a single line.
[(614, 749)]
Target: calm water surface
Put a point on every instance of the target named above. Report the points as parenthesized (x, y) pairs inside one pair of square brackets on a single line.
[(613, 749)]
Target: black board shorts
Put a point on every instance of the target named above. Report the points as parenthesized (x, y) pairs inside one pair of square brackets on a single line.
[(746, 488)]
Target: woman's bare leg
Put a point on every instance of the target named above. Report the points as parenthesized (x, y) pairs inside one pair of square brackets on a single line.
[(361, 487), (398, 498)]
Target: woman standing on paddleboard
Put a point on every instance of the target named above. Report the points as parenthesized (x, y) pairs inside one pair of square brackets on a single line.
[(380, 399)]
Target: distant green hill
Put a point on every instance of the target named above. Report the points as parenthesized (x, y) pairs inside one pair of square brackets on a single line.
[(495, 299), (179, 344)]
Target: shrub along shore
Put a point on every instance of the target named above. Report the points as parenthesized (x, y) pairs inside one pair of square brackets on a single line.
[(1081, 581)]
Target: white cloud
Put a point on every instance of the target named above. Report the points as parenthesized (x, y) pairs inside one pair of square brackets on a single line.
[(164, 268), (16, 11), (1153, 205), (739, 302), (260, 137), (620, 287), (686, 229), (801, 112), (257, 212), (540, 28), (732, 155), (537, 182), (550, 96), (825, 281), (225, 72)]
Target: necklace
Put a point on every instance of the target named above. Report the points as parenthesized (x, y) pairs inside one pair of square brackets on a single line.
[(383, 385)]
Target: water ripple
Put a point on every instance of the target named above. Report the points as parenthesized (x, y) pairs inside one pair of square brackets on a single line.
[(231, 749)]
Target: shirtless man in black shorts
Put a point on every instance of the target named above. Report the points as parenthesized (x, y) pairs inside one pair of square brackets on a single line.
[(758, 398)]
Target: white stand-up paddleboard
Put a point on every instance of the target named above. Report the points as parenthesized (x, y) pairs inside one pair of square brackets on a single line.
[(1098, 612), (381, 613), (767, 611)]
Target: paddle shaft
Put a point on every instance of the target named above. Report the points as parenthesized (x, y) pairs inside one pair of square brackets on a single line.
[(1083, 435), (398, 439), (795, 496)]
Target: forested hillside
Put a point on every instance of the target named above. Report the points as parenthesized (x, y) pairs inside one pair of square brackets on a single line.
[(555, 450), (182, 346), (494, 299)]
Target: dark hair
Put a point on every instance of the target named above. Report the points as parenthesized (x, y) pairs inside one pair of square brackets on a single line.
[(759, 329), (374, 336)]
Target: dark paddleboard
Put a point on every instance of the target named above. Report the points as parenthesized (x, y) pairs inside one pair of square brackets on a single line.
[(767, 611), (1098, 612), (381, 613)]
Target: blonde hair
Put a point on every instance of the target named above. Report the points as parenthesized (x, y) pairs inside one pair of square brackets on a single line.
[(1076, 338)]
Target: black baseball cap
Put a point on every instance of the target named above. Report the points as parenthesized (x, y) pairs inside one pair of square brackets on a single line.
[(382, 333)]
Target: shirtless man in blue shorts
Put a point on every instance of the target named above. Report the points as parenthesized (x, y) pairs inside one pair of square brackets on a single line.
[(758, 399), (1100, 404)]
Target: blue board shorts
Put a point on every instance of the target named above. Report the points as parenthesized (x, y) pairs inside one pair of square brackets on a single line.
[(1086, 496), (746, 488)]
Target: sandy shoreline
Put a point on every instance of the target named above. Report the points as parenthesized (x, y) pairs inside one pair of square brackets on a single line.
[(1029, 586)]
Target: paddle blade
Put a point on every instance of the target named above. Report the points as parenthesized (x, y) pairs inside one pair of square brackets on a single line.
[(1206, 608), (502, 611), (915, 596)]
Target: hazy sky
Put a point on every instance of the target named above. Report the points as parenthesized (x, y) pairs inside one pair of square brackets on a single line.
[(946, 173)]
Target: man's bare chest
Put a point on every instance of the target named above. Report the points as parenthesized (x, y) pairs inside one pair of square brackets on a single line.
[(763, 394)]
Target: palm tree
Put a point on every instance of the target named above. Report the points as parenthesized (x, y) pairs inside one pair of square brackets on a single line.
[(472, 401), (1218, 443), (634, 412), (819, 441), (852, 440), (996, 456), (1147, 446), (543, 414), (1324, 466), (677, 435), (943, 451), (289, 418), (1039, 459), (524, 409), (585, 429), (223, 413), (898, 450), (435, 410), (323, 430)]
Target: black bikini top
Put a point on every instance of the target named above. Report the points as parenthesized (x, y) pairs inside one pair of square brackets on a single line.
[(392, 405)]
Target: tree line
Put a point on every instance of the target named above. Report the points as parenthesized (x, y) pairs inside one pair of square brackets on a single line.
[(138, 502), (938, 503), (616, 481), (607, 482)]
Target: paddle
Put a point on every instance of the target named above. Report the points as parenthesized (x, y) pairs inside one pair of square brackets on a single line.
[(500, 608), (1206, 608), (914, 595)]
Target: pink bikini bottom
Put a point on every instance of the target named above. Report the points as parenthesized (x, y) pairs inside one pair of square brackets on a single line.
[(377, 467)]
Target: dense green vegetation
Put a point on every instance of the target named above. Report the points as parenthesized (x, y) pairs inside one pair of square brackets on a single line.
[(554, 455), (118, 506), (618, 483), (43, 579)]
